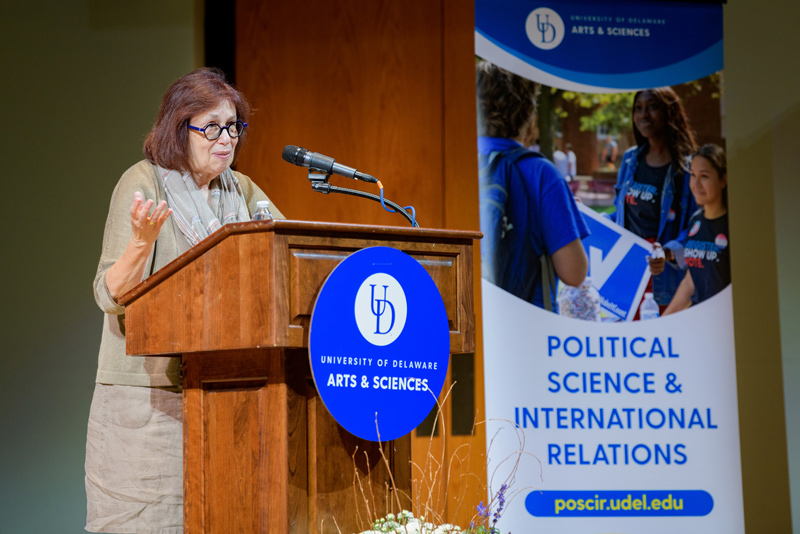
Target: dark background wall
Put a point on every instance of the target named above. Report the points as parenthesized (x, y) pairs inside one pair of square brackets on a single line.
[(80, 86)]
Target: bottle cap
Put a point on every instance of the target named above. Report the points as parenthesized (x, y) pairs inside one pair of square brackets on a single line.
[(648, 295), (262, 204)]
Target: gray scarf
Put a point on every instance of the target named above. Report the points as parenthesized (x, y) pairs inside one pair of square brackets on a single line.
[(196, 217)]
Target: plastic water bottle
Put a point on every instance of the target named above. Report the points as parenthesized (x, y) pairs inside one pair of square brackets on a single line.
[(658, 251), (262, 211), (582, 302), (648, 308)]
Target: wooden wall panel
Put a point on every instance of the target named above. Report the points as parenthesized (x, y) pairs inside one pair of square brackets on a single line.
[(467, 481), (389, 88), (358, 81)]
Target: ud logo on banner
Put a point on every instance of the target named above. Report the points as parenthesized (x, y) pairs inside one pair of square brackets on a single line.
[(545, 28), (379, 343), (617, 264)]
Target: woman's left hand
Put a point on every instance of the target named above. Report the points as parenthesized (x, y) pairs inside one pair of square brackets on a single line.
[(128, 270), (145, 227)]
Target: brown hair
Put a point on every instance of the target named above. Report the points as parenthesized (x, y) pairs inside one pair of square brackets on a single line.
[(716, 157), (506, 102), (680, 135), (202, 90)]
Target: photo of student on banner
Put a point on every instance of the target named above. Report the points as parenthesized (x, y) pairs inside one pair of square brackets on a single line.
[(531, 224), (653, 198), (707, 252)]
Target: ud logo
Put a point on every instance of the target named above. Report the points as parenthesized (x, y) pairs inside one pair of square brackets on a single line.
[(381, 309), (545, 28)]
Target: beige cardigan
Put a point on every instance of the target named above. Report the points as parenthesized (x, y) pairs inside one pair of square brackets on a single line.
[(114, 366)]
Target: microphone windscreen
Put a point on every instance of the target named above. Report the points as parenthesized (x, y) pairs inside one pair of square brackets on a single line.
[(293, 154)]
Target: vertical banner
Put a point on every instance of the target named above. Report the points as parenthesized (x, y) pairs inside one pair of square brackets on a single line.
[(628, 425)]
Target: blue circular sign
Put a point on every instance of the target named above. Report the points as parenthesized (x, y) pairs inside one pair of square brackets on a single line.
[(379, 343)]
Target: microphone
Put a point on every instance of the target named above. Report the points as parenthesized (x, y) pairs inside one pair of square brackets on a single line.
[(304, 158)]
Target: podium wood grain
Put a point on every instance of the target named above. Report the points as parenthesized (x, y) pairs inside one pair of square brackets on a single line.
[(261, 451)]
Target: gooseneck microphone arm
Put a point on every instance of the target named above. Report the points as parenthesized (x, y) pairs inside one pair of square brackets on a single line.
[(320, 184), (320, 169)]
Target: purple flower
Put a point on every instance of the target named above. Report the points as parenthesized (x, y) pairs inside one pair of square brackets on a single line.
[(501, 502)]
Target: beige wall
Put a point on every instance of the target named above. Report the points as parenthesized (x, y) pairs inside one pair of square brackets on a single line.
[(762, 107)]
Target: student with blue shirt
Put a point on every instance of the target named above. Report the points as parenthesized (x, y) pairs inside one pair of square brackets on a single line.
[(541, 219), (707, 252)]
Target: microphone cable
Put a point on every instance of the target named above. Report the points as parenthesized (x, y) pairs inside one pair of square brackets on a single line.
[(326, 187)]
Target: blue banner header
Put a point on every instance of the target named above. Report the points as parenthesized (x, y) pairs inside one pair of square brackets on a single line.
[(588, 46)]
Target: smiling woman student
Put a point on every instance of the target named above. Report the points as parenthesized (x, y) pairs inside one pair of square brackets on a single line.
[(708, 253), (653, 199), (184, 191)]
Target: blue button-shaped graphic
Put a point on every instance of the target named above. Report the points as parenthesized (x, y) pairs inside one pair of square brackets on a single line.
[(379, 343)]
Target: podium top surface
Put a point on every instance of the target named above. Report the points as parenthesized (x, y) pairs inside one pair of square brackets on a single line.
[(254, 285), (305, 228)]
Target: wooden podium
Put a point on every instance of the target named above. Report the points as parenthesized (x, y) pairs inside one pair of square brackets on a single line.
[(261, 452)]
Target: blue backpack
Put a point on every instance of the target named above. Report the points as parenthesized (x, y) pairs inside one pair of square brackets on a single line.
[(509, 257)]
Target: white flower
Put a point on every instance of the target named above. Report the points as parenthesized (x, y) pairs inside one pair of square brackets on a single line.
[(406, 523), (412, 527)]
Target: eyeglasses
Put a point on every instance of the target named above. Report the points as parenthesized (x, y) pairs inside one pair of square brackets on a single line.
[(213, 131)]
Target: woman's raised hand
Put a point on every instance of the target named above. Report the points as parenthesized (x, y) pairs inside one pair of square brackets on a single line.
[(128, 270), (657, 264), (146, 226)]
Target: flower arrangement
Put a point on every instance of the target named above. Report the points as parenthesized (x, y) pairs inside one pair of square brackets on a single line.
[(428, 505), (406, 523)]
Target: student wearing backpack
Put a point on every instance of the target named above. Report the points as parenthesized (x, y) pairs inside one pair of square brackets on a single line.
[(529, 218)]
